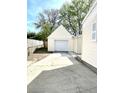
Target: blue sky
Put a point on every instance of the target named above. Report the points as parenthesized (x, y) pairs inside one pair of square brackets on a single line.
[(36, 6)]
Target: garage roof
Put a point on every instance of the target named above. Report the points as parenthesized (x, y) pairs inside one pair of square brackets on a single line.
[(60, 32)]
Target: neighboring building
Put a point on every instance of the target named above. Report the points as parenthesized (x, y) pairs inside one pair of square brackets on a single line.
[(89, 37), (60, 40), (77, 40)]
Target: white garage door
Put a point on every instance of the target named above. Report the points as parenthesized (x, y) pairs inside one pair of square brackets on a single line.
[(61, 45)]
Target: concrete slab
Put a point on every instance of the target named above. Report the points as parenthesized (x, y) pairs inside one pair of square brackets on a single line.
[(62, 74)]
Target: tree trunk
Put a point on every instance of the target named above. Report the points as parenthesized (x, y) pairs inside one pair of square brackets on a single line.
[(45, 43)]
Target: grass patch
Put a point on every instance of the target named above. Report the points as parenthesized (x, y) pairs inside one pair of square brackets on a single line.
[(41, 50)]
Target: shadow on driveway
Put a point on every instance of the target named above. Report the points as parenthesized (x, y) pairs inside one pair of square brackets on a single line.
[(75, 78)]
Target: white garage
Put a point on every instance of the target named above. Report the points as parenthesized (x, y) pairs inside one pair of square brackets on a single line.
[(61, 45), (60, 40)]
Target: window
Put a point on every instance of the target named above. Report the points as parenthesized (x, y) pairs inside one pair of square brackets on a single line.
[(94, 32)]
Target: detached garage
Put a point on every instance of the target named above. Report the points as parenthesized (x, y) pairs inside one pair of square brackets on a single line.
[(60, 40)]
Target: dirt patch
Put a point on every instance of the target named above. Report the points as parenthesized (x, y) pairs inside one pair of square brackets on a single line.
[(39, 54), (35, 58)]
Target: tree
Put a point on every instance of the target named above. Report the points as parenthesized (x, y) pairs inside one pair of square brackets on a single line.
[(48, 16), (42, 35), (52, 18), (72, 15), (31, 35), (47, 22)]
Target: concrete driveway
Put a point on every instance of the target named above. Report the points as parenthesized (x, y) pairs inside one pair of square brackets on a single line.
[(61, 73)]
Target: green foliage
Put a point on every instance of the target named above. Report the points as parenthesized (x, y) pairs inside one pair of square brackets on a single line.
[(38, 36), (31, 35), (72, 15), (47, 22), (42, 35), (46, 32)]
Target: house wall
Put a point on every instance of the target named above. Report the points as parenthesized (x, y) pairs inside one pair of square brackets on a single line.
[(77, 44), (89, 47), (60, 34), (50, 44), (74, 44)]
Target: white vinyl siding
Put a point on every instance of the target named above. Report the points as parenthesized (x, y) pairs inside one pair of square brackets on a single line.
[(89, 38), (60, 39)]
